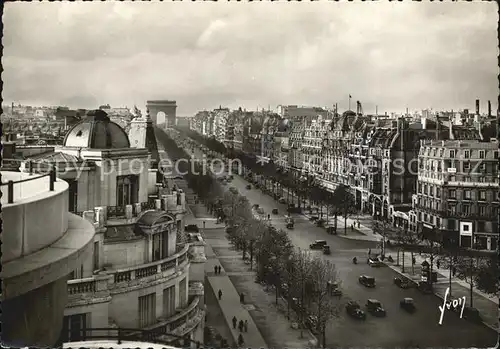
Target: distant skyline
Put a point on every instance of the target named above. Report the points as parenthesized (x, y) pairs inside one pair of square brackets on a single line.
[(252, 54)]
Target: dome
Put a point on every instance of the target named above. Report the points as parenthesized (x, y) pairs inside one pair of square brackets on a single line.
[(348, 113), (97, 131), (283, 125)]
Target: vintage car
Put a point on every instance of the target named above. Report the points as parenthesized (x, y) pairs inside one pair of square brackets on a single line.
[(274, 211), (408, 305), (249, 186), (282, 200), (320, 222), (317, 245), (334, 288), (353, 309), (402, 283), (375, 308), (312, 324), (374, 262), (326, 250), (368, 281), (331, 230)]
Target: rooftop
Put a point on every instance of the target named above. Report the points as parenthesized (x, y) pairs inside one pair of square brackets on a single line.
[(474, 144)]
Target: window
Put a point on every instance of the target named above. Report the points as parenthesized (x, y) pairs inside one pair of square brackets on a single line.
[(467, 194), (496, 154), (438, 192), (441, 152), (183, 293), (481, 154), (451, 224), (467, 154), (96, 255), (466, 165), (127, 189), (453, 178), (74, 327), (452, 193), (452, 154), (466, 228), (482, 195), (169, 301), (482, 211), (480, 226), (466, 209), (452, 209), (147, 310)]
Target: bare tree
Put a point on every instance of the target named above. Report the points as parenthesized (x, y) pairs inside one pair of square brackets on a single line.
[(323, 275), (301, 271)]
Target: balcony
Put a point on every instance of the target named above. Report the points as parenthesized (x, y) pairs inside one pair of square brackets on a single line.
[(99, 287)]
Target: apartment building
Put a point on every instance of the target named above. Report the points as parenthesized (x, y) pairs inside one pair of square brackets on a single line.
[(295, 158), (457, 192), (281, 144), (315, 131), (269, 128), (137, 274), (220, 120)]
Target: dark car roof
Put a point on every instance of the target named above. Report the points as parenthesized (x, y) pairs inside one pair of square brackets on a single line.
[(373, 301), (367, 277)]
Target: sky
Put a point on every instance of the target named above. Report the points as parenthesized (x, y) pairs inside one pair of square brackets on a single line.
[(251, 54)]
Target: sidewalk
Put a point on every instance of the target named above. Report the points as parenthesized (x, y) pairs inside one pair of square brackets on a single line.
[(230, 303)]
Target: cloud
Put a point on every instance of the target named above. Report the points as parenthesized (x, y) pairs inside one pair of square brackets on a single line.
[(251, 54)]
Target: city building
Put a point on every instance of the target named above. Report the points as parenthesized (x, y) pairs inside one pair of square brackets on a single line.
[(315, 130), (267, 132), (137, 274), (457, 192), (41, 244), (220, 119), (281, 144)]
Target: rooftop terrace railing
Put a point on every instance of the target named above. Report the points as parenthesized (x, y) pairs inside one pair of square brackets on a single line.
[(11, 184)]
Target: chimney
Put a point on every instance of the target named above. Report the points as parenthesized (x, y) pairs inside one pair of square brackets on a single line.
[(489, 109), (477, 106)]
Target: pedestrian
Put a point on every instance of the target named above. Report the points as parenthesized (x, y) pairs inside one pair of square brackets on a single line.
[(369, 252), (242, 298), (438, 263), (204, 224), (219, 269), (215, 269), (240, 340), (453, 271), (245, 326), (234, 321), (359, 224), (413, 261), (240, 325), (220, 294)]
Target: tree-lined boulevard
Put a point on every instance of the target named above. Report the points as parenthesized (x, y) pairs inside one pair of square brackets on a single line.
[(282, 258)]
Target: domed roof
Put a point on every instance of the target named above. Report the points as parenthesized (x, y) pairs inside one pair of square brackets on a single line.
[(348, 113), (283, 125), (97, 131)]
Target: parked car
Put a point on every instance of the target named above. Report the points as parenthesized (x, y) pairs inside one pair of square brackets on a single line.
[(331, 230), (326, 250), (312, 323), (374, 262), (375, 308), (320, 222), (275, 211), (249, 186), (353, 309), (424, 287), (403, 283), (408, 305), (368, 281), (334, 288), (317, 245), (282, 200)]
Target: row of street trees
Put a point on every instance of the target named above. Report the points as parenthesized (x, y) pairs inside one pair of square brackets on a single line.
[(298, 278), (476, 268)]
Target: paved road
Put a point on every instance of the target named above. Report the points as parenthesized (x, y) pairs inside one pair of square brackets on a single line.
[(399, 328)]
